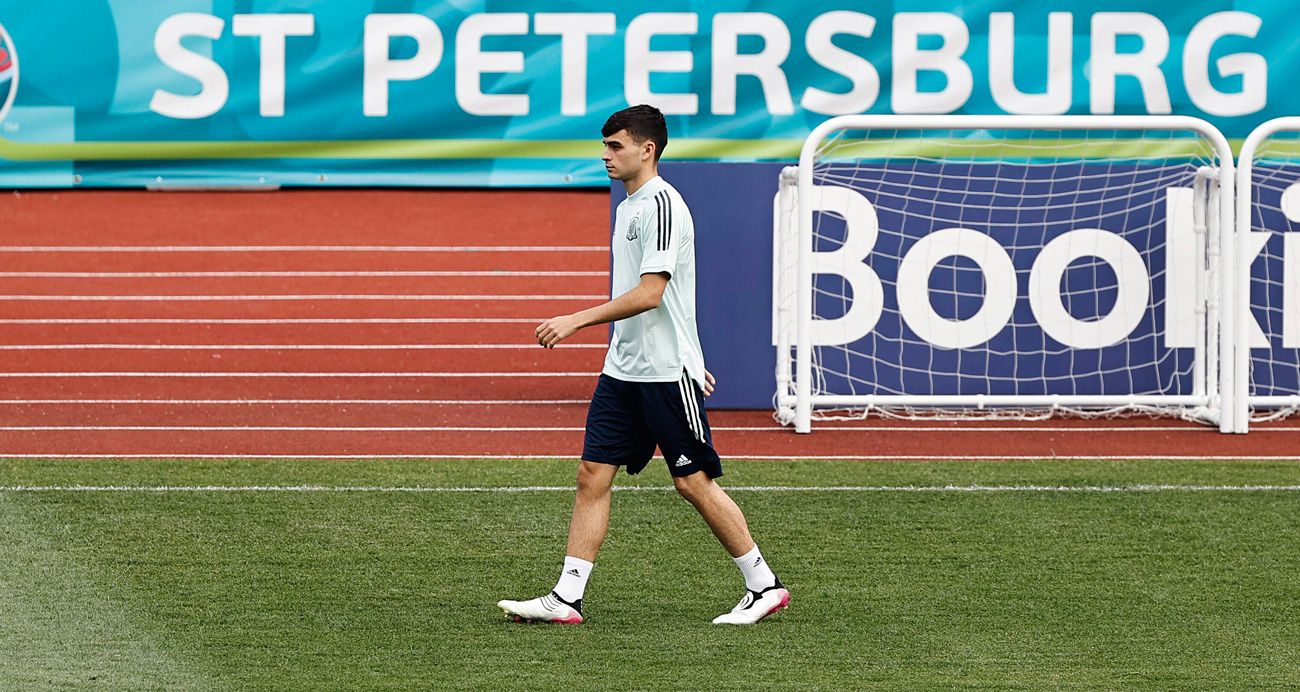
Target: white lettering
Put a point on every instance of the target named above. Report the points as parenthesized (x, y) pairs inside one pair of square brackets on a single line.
[(729, 64), (865, 80), (272, 29), (1132, 283), (1251, 67), (861, 227), (640, 61), (472, 61), (1255, 242), (1183, 268), (573, 28), (1291, 290), (1002, 66), (380, 69), (914, 288), (214, 86), (909, 60), (1108, 63)]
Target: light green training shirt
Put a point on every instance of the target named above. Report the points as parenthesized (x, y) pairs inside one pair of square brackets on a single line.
[(653, 232)]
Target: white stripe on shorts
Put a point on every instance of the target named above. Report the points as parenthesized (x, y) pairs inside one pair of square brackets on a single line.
[(695, 397), (691, 405), (686, 407)]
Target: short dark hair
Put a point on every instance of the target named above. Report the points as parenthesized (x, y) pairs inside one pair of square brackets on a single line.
[(641, 122)]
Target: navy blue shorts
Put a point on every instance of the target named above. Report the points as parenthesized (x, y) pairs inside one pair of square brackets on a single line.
[(627, 420)]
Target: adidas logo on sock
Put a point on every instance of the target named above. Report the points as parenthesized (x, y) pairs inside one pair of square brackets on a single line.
[(682, 461), (575, 573), (758, 561)]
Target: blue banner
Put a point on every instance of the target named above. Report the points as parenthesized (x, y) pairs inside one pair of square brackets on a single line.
[(1273, 329), (1115, 334), (513, 93)]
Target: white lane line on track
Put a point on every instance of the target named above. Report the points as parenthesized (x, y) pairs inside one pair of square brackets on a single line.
[(272, 428), (304, 248), (296, 374), (542, 428), (287, 320), (283, 402), (263, 297), (282, 347), (1001, 428), (1102, 489), (569, 456), (514, 429), (485, 273)]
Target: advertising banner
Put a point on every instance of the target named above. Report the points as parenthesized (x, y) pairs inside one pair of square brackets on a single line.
[(513, 93), (1125, 292), (1273, 255)]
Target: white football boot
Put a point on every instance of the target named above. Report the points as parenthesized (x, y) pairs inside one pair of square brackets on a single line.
[(756, 605), (548, 608)]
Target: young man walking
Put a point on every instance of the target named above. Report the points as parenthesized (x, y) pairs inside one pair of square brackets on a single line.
[(650, 389)]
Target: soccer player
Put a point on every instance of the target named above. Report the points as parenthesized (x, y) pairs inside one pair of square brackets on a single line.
[(650, 389)]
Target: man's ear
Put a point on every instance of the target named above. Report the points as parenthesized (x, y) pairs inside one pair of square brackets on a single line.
[(648, 149)]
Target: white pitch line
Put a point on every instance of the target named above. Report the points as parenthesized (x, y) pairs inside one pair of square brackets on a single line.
[(291, 320), (282, 347), (296, 374), (304, 248), (1006, 457), (1088, 489), (263, 297), (485, 273), (296, 402)]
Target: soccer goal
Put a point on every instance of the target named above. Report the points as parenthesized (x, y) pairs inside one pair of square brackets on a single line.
[(1267, 372), (1008, 266)]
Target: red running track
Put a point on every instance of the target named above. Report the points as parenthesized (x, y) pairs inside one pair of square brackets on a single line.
[(376, 323)]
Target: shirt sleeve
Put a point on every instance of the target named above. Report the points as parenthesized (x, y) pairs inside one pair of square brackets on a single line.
[(661, 238)]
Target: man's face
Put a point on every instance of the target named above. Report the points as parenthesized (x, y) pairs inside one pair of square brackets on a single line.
[(624, 158)]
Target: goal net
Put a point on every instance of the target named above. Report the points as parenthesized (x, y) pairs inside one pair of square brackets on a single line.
[(1002, 266), (1268, 272)]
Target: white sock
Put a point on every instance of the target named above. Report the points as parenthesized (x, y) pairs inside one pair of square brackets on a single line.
[(758, 575), (573, 580)]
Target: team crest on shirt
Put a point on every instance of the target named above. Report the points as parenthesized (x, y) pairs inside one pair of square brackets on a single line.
[(632, 228)]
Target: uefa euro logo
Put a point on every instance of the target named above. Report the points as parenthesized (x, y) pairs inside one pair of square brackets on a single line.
[(8, 73)]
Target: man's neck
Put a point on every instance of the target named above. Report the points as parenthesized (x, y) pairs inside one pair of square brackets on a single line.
[(646, 175)]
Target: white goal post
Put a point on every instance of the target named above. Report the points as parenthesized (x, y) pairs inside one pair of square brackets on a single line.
[(1014, 266), (1267, 281)]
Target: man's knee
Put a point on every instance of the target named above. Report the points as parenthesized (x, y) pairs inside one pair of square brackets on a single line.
[(594, 477), (694, 486)]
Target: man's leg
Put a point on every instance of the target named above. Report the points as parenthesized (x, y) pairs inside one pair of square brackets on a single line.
[(681, 427), (720, 512), (587, 528), (617, 436), (590, 520), (765, 594)]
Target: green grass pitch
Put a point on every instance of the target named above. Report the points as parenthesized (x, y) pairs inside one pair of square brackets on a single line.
[(891, 589)]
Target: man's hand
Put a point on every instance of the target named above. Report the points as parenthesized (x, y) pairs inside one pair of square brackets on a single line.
[(709, 383), (557, 329)]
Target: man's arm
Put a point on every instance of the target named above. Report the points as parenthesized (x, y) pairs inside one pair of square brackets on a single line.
[(645, 296)]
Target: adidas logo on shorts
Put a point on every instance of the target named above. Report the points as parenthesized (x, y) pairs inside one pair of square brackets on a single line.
[(682, 461)]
